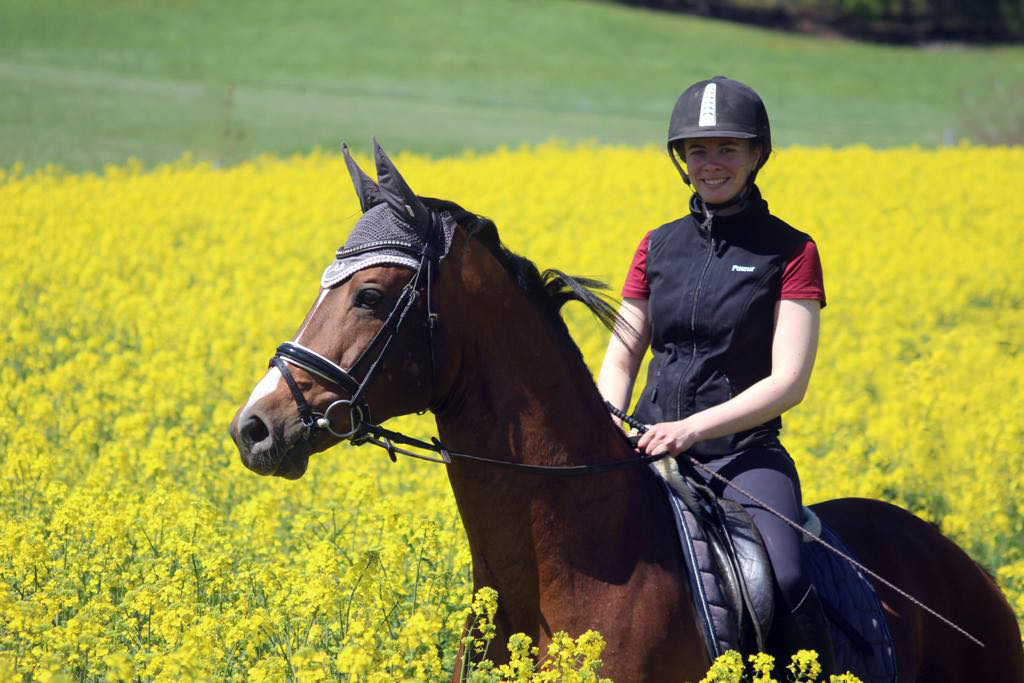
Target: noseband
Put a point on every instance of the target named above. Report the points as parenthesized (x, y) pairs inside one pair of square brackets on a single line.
[(293, 353)]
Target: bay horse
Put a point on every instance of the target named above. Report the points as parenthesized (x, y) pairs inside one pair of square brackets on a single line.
[(424, 309)]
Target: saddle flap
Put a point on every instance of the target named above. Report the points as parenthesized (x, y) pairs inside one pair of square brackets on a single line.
[(739, 549), (726, 562)]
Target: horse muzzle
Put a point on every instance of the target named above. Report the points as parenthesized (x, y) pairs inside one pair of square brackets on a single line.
[(267, 450)]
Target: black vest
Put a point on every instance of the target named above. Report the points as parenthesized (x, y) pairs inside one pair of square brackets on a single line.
[(714, 287)]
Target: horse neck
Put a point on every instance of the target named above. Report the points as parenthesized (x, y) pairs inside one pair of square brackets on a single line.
[(523, 394)]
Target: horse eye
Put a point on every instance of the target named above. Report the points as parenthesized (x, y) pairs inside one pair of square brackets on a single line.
[(367, 298)]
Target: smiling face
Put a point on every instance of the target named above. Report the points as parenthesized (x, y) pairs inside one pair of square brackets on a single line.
[(719, 167)]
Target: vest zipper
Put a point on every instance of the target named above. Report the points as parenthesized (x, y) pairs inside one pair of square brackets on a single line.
[(693, 312)]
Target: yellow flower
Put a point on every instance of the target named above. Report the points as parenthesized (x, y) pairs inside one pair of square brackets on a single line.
[(140, 306)]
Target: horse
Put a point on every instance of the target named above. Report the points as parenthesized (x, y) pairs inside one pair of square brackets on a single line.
[(434, 313)]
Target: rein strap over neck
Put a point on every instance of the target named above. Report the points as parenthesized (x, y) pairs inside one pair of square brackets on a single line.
[(386, 439)]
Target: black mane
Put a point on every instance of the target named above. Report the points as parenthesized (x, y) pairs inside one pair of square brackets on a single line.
[(551, 289)]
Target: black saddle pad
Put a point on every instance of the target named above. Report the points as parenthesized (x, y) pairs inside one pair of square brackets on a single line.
[(847, 590)]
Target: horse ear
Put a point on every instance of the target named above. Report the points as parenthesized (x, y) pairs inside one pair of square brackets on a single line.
[(367, 191), (396, 191)]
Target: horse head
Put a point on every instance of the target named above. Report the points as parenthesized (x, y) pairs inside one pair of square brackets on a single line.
[(364, 351)]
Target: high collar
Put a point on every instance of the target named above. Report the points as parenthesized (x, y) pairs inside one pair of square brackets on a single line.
[(745, 205)]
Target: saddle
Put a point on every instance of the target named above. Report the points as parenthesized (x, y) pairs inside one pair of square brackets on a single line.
[(733, 586), (729, 569)]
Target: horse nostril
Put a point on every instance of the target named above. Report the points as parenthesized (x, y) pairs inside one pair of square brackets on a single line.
[(254, 430)]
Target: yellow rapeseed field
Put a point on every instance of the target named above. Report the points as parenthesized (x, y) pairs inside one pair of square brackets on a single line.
[(140, 307)]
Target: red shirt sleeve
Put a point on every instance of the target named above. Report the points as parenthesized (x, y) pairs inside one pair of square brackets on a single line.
[(802, 278), (636, 286)]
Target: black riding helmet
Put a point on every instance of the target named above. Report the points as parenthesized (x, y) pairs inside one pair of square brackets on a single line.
[(719, 108)]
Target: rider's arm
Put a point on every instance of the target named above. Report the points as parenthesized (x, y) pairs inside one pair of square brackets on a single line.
[(794, 346), (623, 356)]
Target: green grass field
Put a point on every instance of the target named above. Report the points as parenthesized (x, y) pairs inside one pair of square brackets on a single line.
[(84, 84)]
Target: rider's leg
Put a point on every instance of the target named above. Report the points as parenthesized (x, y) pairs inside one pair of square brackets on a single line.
[(769, 475)]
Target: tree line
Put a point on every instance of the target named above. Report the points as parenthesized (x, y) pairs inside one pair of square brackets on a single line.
[(898, 21)]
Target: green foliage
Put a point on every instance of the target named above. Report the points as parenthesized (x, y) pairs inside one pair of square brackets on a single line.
[(901, 20), (84, 84)]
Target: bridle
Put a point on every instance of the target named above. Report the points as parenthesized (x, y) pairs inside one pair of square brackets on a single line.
[(293, 353), (362, 428)]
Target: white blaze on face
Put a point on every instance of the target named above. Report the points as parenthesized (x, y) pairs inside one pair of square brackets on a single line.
[(264, 388), (270, 380), (709, 106)]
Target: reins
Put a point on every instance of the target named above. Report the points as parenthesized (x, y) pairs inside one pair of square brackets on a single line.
[(696, 464), (386, 439)]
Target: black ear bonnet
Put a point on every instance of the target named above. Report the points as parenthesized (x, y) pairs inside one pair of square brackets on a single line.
[(396, 227)]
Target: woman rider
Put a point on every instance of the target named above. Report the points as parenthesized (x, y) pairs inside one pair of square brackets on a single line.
[(728, 298)]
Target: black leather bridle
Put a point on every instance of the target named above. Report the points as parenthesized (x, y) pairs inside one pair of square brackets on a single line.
[(362, 428), (293, 353)]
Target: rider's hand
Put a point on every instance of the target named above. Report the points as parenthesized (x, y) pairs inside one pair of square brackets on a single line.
[(668, 437)]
